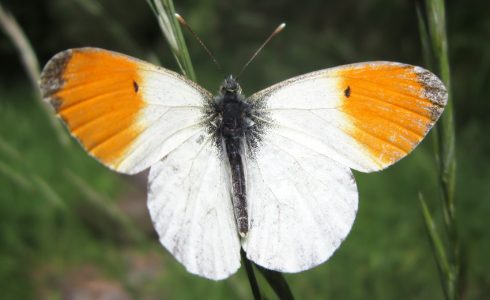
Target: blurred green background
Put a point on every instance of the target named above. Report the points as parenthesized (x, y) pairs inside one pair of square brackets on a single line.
[(70, 228)]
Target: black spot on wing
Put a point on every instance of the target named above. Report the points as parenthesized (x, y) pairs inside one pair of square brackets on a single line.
[(135, 86), (347, 92)]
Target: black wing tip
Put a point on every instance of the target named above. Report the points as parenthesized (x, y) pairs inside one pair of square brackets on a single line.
[(434, 89), (52, 80)]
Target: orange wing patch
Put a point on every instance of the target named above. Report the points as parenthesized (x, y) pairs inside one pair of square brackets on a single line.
[(97, 94), (391, 107)]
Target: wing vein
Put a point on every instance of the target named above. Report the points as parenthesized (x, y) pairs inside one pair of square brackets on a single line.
[(365, 131), (387, 87), (267, 241), (99, 117), (301, 165), (129, 154), (191, 198), (108, 138), (378, 100), (301, 196), (88, 99), (134, 150), (418, 135), (160, 210)]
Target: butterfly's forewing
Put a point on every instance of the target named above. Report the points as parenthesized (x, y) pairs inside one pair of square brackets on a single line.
[(190, 205), (125, 112), (366, 116), (301, 205)]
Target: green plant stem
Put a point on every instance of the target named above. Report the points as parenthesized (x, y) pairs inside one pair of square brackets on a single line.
[(251, 276), (437, 245), (110, 212), (31, 65), (433, 33), (27, 178), (277, 282), (446, 134), (165, 13)]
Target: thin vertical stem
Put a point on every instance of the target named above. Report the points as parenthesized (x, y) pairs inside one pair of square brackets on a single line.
[(165, 13), (29, 59), (251, 276), (277, 282), (447, 256)]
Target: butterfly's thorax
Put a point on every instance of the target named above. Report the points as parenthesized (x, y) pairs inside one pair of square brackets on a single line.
[(233, 113)]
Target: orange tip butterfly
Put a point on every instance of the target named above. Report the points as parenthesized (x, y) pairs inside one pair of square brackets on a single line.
[(270, 173)]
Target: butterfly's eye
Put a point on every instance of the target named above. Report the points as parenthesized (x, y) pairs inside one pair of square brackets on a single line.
[(230, 85), (230, 88)]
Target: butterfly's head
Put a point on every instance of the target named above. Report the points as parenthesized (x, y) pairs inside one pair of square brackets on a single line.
[(230, 86)]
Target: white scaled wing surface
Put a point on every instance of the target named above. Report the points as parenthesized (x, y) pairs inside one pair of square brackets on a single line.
[(189, 203), (301, 205)]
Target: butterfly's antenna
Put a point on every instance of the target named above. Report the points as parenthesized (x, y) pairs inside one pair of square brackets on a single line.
[(184, 23), (276, 31)]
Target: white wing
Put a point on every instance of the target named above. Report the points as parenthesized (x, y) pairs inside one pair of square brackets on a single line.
[(301, 205), (366, 116), (125, 112), (190, 205)]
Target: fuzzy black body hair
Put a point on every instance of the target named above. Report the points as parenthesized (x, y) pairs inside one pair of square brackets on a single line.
[(237, 127)]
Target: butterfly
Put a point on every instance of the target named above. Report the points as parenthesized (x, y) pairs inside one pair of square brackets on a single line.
[(270, 173)]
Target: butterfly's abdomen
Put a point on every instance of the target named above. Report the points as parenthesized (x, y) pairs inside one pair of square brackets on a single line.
[(238, 184)]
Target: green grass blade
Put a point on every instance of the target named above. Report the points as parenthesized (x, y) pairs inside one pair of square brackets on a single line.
[(436, 242), (29, 59), (444, 145), (251, 276), (30, 181), (434, 236), (446, 133), (278, 283), (47, 191), (424, 38), (10, 152), (16, 177), (104, 206), (165, 12)]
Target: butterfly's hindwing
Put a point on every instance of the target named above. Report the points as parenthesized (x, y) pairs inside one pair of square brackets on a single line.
[(301, 205), (190, 205)]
